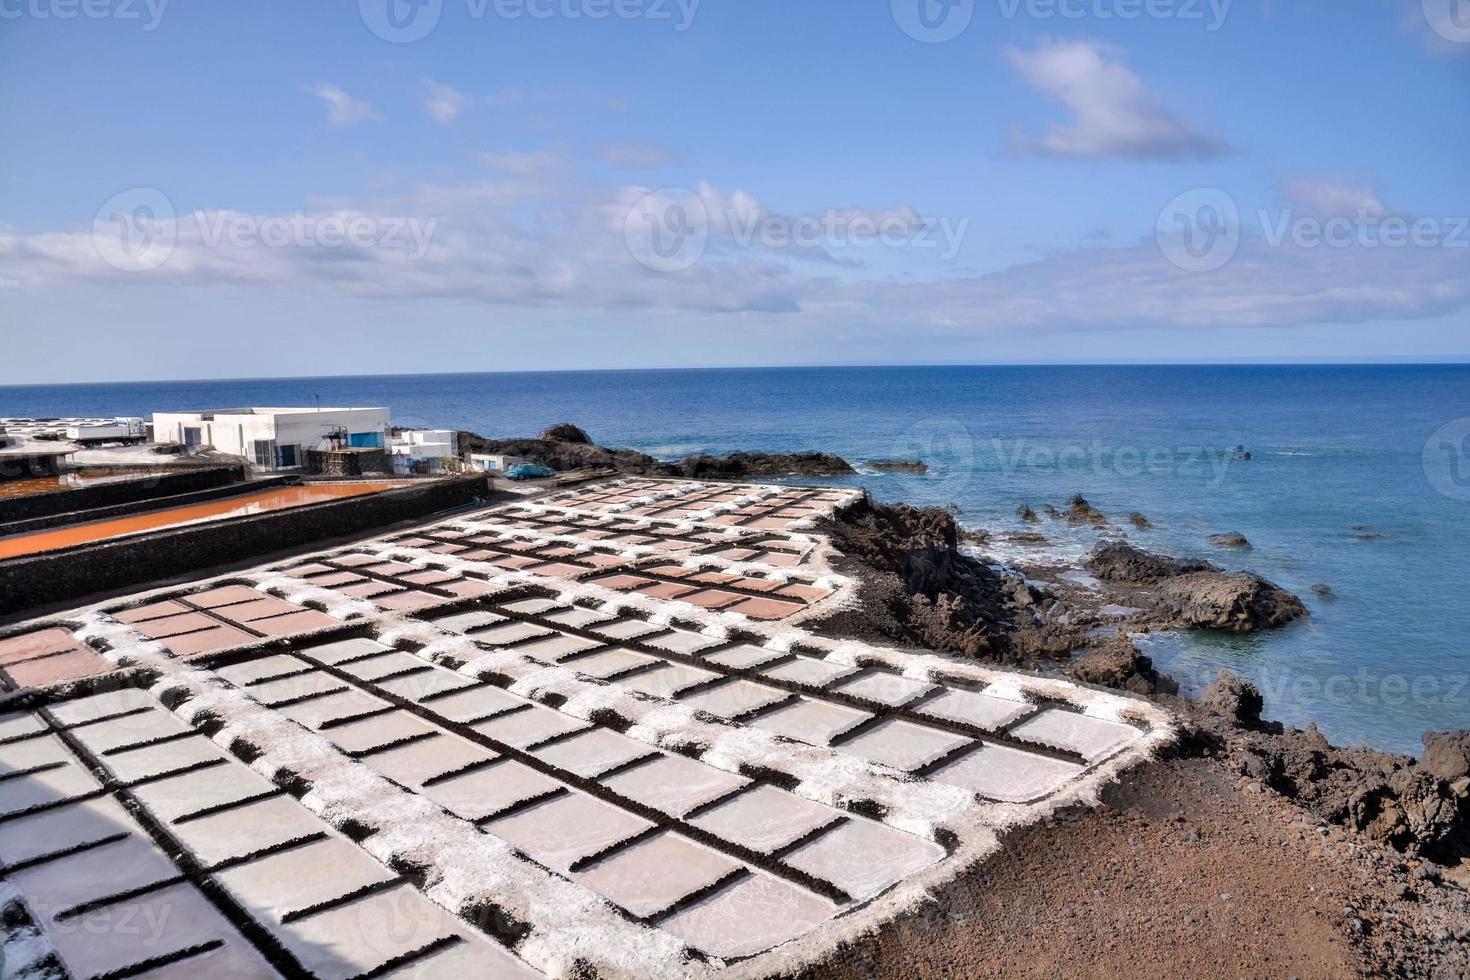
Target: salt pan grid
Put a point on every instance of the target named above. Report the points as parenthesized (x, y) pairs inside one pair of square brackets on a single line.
[(529, 740)]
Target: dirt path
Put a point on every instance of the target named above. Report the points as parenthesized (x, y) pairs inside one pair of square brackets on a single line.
[(1182, 873)]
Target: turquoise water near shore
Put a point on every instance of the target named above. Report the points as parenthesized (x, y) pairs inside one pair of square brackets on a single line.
[(1359, 479)]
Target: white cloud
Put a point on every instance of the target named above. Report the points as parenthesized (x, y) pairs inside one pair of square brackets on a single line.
[(443, 104), (638, 156), (537, 241), (343, 109), (1326, 198), (1115, 114), (1263, 286)]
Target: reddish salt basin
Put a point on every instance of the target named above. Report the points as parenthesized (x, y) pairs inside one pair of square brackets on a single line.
[(264, 501)]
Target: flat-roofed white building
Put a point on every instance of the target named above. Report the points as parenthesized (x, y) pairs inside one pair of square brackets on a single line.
[(275, 438), (426, 443), (494, 462)]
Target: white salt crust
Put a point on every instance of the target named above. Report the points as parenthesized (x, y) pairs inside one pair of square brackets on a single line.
[(569, 923)]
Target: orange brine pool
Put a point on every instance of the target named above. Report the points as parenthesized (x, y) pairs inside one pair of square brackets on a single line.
[(280, 498), (34, 486)]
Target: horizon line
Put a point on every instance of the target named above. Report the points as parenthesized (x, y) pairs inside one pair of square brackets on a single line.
[(1449, 360)]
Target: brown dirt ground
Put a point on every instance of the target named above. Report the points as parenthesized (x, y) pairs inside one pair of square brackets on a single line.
[(1183, 871)]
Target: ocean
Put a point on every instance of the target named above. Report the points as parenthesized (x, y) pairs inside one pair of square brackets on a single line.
[(1358, 479)]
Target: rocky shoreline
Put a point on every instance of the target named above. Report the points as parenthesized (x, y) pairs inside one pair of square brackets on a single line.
[(926, 581), (567, 447)]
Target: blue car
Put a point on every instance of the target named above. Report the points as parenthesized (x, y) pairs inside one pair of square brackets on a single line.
[(529, 471)]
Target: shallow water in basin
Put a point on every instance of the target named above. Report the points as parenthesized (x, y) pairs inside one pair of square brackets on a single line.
[(280, 498), (37, 485)]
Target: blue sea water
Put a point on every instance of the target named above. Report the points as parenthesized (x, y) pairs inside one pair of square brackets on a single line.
[(1360, 479)]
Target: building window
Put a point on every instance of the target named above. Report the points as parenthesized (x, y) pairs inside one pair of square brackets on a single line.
[(365, 440), (264, 458), (192, 437), (286, 456)]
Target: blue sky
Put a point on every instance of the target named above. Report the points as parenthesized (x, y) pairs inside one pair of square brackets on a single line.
[(726, 182)]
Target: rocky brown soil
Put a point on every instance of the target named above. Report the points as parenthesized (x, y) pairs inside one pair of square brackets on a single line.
[(1186, 870), (1370, 850), (917, 587), (567, 447), (1420, 807)]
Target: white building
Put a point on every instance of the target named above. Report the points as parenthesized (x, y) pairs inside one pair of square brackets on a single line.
[(426, 443), (494, 462), (275, 438)]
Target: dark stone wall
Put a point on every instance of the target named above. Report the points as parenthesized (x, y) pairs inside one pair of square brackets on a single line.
[(142, 506), (347, 463), (132, 563), (118, 492)]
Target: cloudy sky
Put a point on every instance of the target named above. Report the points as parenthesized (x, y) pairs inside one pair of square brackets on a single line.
[(196, 189)]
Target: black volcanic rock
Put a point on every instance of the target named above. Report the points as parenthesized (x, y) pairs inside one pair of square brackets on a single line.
[(1233, 602), (1196, 594), (1118, 664), (918, 585), (567, 447), (1231, 539), (899, 465), (1447, 754), (1115, 561), (1079, 511), (1230, 697), (566, 432)]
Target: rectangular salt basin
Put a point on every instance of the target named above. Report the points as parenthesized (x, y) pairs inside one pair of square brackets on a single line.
[(1091, 738), (1000, 772), (903, 744), (561, 831)]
